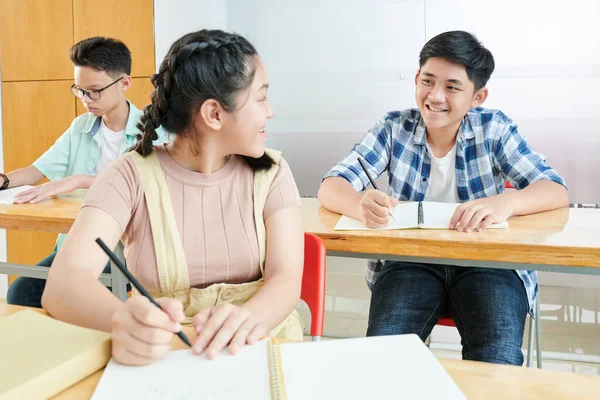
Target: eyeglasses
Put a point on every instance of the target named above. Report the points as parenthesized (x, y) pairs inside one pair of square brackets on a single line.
[(91, 94)]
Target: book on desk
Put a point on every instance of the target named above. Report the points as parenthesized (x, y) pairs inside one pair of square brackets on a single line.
[(413, 215), (41, 356)]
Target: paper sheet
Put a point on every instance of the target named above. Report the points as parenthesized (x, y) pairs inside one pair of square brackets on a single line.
[(181, 375), (436, 216), (385, 367), (8, 196)]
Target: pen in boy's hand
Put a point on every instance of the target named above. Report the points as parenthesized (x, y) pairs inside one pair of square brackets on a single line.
[(135, 282), (371, 180)]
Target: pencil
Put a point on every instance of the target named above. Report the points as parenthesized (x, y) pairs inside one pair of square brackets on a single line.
[(135, 283), (371, 179)]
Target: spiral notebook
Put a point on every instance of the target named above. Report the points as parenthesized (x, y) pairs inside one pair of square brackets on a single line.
[(413, 215), (362, 368)]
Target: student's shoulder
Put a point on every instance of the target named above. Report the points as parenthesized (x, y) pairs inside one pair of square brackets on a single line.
[(405, 119), (489, 122), (82, 124)]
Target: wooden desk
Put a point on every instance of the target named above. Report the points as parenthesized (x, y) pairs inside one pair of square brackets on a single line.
[(564, 240), (476, 380), (55, 215)]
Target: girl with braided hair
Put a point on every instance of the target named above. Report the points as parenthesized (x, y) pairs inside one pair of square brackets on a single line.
[(210, 222)]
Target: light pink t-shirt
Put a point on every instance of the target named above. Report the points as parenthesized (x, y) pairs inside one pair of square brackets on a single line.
[(214, 215)]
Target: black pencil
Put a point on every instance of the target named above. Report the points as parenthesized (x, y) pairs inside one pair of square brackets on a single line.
[(135, 283), (370, 179)]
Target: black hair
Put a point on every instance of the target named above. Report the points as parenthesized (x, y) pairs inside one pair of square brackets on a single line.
[(203, 65), (461, 48), (103, 54)]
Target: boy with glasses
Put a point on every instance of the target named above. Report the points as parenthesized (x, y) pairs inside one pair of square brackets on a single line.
[(94, 139)]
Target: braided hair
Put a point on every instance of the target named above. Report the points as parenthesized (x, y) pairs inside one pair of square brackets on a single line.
[(203, 65)]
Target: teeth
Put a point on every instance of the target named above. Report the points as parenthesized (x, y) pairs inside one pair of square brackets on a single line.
[(436, 109)]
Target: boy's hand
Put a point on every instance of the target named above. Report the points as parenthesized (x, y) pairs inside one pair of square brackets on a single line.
[(141, 332), (477, 215), (49, 189), (225, 324), (375, 208)]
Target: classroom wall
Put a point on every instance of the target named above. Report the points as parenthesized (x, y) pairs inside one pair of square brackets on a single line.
[(174, 18)]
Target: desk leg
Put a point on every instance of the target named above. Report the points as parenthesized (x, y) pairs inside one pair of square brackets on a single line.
[(530, 341), (538, 332), (118, 281)]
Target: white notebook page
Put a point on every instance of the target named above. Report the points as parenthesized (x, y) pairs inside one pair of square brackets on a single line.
[(181, 375), (8, 196), (384, 367), (435, 215)]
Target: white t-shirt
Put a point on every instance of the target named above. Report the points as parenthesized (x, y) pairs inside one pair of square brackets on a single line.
[(111, 146), (442, 179)]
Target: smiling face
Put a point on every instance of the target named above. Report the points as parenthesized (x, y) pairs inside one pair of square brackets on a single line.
[(444, 94), (245, 129)]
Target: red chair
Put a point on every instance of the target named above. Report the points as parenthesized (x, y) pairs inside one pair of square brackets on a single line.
[(447, 321), (313, 283)]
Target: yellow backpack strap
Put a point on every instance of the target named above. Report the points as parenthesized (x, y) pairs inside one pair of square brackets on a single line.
[(262, 183), (170, 257)]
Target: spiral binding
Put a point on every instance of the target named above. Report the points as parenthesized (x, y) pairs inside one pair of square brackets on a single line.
[(275, 371)]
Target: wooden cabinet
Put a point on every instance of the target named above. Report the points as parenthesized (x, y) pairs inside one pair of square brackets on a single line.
[(131, 21)]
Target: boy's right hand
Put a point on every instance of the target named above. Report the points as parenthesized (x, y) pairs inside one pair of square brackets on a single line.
[(375, 208), (141, 332)]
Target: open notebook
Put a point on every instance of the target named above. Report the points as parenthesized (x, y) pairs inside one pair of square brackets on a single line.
[(386, 367), (430, 215), (41, 356)]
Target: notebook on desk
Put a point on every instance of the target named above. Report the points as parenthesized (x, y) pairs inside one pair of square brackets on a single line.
[(7, 196), (430, 215), (41, 356), (398, 367)]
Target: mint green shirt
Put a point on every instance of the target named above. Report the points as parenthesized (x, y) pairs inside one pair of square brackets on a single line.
[(76, 151)]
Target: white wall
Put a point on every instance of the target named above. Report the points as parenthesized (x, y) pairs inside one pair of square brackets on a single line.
[(174, 18)]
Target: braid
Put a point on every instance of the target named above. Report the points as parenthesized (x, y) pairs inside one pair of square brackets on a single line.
[(147, 127)]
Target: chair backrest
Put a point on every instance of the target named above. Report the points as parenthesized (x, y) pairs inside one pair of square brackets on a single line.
[(313, 281)]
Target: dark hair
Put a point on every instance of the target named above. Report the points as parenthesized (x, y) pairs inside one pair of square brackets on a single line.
[(203, 65), (103, 54), (461, 48)]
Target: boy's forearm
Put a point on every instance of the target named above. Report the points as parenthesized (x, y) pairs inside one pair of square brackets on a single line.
[(24, 176), (338, 195), (83, 181), (537, 197)]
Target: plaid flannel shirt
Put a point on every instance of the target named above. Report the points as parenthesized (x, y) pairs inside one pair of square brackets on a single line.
[(489, 151)]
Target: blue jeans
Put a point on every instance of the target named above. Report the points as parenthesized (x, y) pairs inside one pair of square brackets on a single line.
[(489, 307), (28, 292)]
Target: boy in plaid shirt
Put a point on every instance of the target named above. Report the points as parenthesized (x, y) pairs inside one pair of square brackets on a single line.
[(450, 150)]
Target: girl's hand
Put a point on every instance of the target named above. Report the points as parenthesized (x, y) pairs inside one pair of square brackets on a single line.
[(225, 324)]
